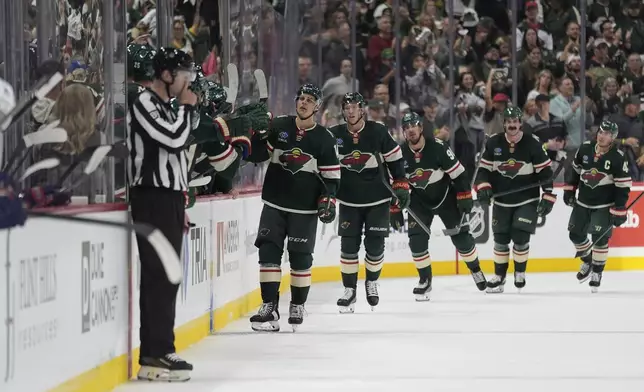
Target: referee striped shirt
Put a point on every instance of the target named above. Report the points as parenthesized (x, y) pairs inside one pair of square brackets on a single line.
[(156, 138)]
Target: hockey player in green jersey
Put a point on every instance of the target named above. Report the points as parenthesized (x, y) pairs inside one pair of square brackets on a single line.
[(511, 161), (597, 188), (301, 180), (439, 187), (364, 200), (139, 69)]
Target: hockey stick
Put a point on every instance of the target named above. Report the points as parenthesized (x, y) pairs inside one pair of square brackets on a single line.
[(7, 104), (233, 85), (454, 231), (199, 181), (96, 159), (45, 164), (606, 231), (165, 250), (49, 134), (42, 88), (536, 184), (117, 150), (385, 182), (260, 79)]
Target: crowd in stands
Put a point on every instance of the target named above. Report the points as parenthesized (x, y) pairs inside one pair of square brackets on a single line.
[(399, 59)]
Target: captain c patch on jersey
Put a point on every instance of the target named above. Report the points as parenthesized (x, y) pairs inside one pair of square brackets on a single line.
[(356, 161), (593, 177), (294, 160), (510, 168)]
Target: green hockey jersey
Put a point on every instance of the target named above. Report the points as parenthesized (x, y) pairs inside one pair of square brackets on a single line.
[(300, 160), (361, 184), (602, 180), (506, 167), (432, 171)]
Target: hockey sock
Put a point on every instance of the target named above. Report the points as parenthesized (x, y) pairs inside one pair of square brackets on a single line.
[(583, 247), (300, 285), (501, 259), (373, 265), (520, 255), (270, 276), (600, 255), (349, 266), (471, 259), (423, 264)]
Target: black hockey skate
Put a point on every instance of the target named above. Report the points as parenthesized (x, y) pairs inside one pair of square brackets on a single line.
[(519, 280), (295, 316), (479, 279), (267, 318), (595, 281), (422, 290), (347, 303), (585, 269), (168, 368), (371, 287), (495, 285)]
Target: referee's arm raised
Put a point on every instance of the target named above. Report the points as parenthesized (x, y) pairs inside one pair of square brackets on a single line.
[(170, 136)]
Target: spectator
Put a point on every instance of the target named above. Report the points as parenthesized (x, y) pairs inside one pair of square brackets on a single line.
[(343, 83)]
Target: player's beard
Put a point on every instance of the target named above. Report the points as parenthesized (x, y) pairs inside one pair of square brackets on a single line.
[(513, 135), (414, 138)]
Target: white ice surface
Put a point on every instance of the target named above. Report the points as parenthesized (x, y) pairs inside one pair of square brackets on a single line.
[(554, 336)]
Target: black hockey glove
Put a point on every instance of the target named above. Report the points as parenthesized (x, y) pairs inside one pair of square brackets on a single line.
[(546, 203), (12, 211), (258, 114), (464, 202), (618, 216), (326, 209), (190, 198), (569, 195), (484, 193), (401, 190), (45, 196), (396, 218)]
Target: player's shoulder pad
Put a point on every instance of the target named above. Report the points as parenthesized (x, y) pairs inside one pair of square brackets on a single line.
[(438, 141), (336, 129), (377, 126), (281, 121)]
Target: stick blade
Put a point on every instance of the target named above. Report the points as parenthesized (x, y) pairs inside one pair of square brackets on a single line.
[(98, 156), (201, 181), (48, 134), (164, 249), (233, 83), (45, 164), (260, 78), (451, 232)]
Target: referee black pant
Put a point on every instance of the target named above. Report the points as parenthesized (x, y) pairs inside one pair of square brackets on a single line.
[(165, 210)]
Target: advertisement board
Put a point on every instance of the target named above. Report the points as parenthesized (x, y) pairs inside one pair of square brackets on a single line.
[(63, 300), (64, 292), (229, 231), (630, 234)]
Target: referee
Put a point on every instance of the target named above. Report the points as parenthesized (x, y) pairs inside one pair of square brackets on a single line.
[(158, 178)]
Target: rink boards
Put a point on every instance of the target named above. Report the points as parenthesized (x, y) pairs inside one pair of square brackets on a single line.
[(69, 291)]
